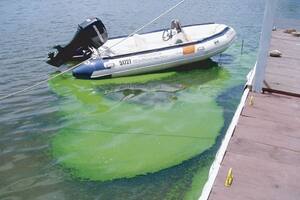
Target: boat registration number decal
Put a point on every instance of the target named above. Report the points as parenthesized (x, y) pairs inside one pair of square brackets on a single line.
[(125, 62)]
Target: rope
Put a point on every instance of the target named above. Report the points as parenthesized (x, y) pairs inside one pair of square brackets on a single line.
[(63, 72), (37, 84), (119, 132)]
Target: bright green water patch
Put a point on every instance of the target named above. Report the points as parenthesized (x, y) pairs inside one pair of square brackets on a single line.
[(131, 126)]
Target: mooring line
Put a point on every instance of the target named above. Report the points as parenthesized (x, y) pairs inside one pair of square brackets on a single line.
[(38, 83), (63, 72), (119, 132)]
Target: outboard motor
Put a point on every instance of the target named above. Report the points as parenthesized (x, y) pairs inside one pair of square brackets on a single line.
[(90, 34)]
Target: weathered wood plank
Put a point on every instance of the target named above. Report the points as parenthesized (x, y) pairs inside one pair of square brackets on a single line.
[(283, 67), (290, 130), (256, 178), (271, 151), (271, 137)]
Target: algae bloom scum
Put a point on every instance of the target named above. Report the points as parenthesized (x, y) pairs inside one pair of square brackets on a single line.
[(132, 126)]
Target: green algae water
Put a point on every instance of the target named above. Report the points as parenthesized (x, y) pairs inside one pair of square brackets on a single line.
[(144, 137), (121, 128)]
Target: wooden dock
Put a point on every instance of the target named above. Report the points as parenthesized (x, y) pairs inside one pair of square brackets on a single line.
[(264, 151), (283, 74)]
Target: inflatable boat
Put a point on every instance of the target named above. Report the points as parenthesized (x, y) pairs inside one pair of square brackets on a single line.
[(140, 53)]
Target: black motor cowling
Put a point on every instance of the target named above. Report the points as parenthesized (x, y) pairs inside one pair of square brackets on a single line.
[(90, 34)]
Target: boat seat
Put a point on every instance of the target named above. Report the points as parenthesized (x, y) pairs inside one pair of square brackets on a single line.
[(133, 44), (180, 37), (140, 42)]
